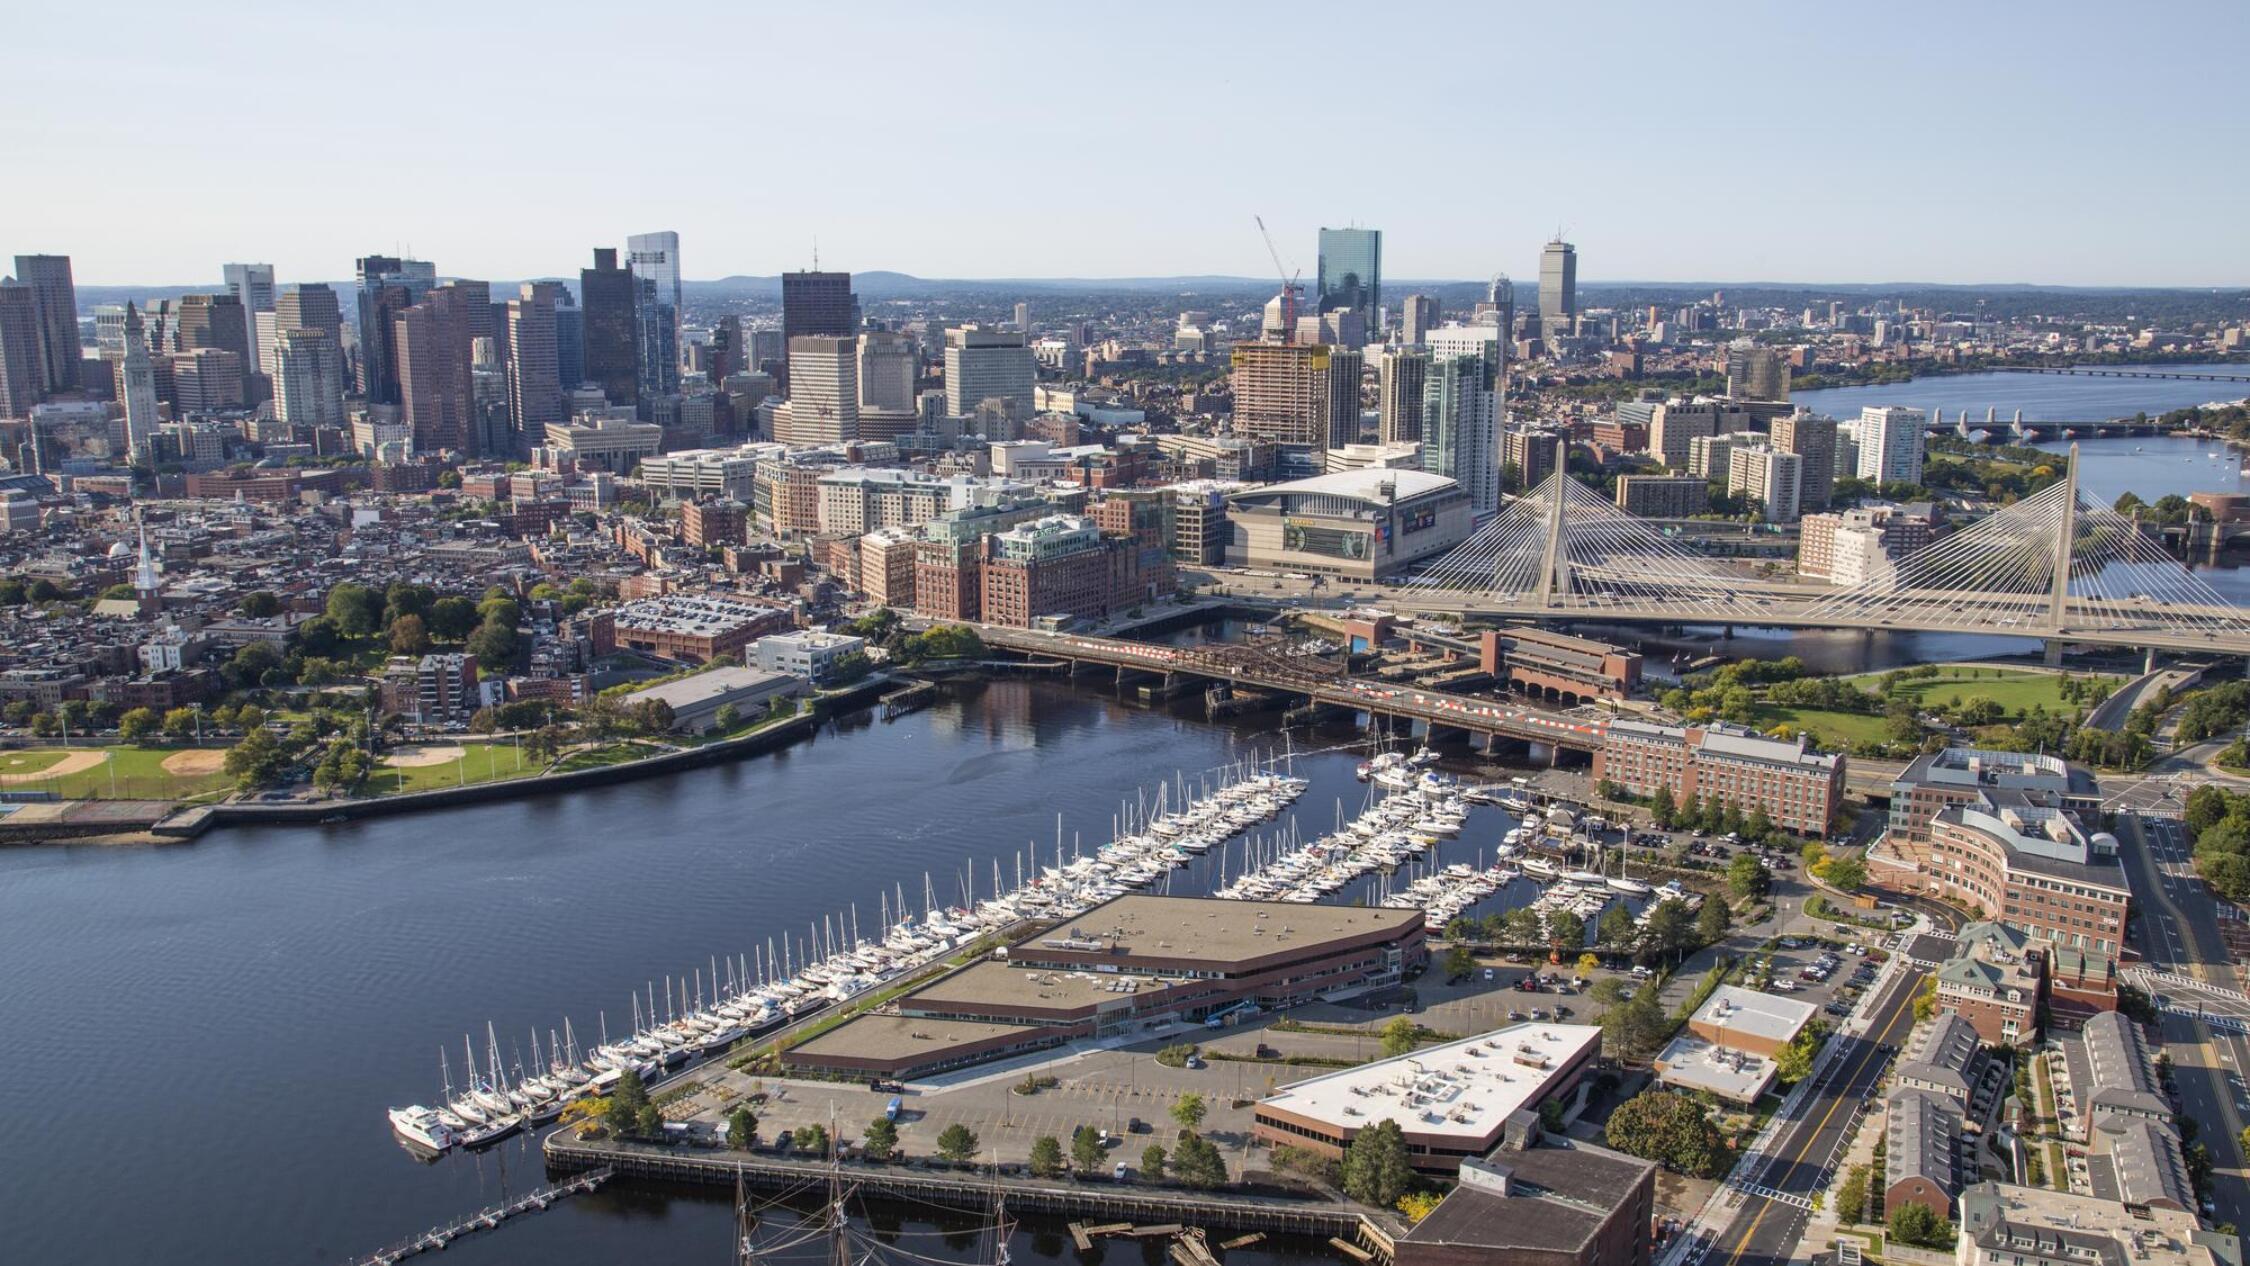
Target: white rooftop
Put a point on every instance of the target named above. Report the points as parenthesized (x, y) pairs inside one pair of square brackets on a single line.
[(1465, 1089), (1765, 1015), (1366, 484), (1691, 1063)]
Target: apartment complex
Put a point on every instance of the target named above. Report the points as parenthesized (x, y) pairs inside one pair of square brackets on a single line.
[(1799, 789), (1664, 496), (1291, 393), (435, 689), (2022, 859)]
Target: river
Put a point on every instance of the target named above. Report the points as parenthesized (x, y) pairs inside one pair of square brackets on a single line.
[(203, 1038)]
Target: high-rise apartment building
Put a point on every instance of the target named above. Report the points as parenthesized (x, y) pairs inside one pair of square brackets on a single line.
[(656, 256), (308, 378), (985, 364), (1351, 273), (136, 387), (437, 390), (21, 383), (1890, 444), (1499, 306), (1418, 315), (534, 362), (889, 364), (656, 331), (1347, 369), (55, 300), (1812, 438), (1533, 454), (1401, 376), (1461, 409), (1282, 393), (823, 405), (1757, 373), (612, 333), (1768, 476), (1558, 287), (817, 304)]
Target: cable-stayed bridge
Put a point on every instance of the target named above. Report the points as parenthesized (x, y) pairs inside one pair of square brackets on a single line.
[(2051, 566)]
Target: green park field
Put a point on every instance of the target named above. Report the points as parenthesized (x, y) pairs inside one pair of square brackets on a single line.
[(115, 772)]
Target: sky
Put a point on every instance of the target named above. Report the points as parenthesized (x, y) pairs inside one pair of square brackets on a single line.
[(2058, 143)]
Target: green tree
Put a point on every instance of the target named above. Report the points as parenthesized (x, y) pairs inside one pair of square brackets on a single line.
[(1851, 1198), (136, 724), (1617, 929), (882, 1138), (1712, 922), (812, 1140), (728, 716), (1915, 1224), (409, 636), (1086, 1149), (1399, 1037), (1663, 808), (1661, 1126), (318, 636), (1522, 924), (1925, 1001), (356, 609), (1746, 878), (1459, 962), (1152, 1162), (1376, 1169), (452, 618), (1845, 874), (1565, 930), (742, 1126), (256, 760), (260, 604), (1195, 1162), (1795, 1061), (1635, 1028), (253, 664), (1670, 929), (957, 1142), (648, 1122), (1046, 1156), (494, 644)]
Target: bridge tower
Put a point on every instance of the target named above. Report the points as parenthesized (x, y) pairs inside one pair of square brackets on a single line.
[(1554, 569), (2059, 602)]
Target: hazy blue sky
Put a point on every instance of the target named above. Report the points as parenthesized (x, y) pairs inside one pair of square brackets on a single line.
[(1965, 141)]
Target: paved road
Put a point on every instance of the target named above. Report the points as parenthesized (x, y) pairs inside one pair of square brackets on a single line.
[(2179, 932), (1765, 1230)]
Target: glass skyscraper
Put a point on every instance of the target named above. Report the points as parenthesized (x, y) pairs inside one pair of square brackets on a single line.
[(1351, 274)]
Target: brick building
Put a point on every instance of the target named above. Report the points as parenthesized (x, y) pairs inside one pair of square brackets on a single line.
[(433, 690), (1800, 789), (704, 524), (697, 628), (1057, 566), (1557, 666)]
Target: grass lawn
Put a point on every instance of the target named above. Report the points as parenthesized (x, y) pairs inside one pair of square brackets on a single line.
[(607, 754), (478, 762), (1834, 728), (2015, 689), (114, 772)]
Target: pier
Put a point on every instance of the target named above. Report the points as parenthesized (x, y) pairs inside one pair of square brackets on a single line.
[(437, 1238)]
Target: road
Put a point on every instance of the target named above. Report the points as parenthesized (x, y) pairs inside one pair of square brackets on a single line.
[(2178, 931), (1765, 1228)]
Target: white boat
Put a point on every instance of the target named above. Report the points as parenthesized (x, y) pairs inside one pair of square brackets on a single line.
[(1632, 886), (1540, 868), (421, 1126)]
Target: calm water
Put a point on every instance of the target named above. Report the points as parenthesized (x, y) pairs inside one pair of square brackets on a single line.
[(203, 1038), (2038, 395)]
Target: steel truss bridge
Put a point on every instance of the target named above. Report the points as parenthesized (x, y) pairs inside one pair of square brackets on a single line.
[(2052, 566)]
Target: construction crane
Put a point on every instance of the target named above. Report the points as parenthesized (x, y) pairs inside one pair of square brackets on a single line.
[(1289, 287)]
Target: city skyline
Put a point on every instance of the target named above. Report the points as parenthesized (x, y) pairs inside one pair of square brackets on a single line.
[(1939, 167)]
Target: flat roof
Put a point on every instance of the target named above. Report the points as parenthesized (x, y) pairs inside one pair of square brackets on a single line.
[(1691, 1063), (1365, 484), (1462, 1090), (891, 1037), (1738, 1010), (703, 687), (999, 984), (1558, 1197), (1206, 929)]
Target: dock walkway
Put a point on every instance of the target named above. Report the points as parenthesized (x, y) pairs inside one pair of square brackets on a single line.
[(438, 1237)]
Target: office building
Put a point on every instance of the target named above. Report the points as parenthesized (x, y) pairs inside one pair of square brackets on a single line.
[(1557, 667), (811, 654), (206, 380), (136, 387), (436, 385), (55, 305), (1282, 393), (212, 320), (1539, 1201), (814, 304), (1418, 315), (308, 379), (697, 628), (1800, 789), (656, 356), (655, 258), (616, 445), (1767, 476), (252, 285), (1733, 1043), (1461, 408), (823, 404), (1957, 776), (1664, 496), (1351, 274), (1890, 444), (986, 364), (1183, 958), (1528, 457), (387, 286), (889, 365), (308, 307), (1401, 376), (1757, 373), (534, 361), (22, 381), (608, 295), (570, 342), (1558, 288), (887, 566), (1812, 438), (1059, 566), (1360, 524), (1499, 306), (2020, 858)]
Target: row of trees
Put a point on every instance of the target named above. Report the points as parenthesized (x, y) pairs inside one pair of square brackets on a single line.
[(2219, 822), (1670, 932)]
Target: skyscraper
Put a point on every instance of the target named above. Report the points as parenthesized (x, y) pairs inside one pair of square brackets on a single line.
[(1351, 273), (1813, 438), (20, 380), (1500, 305), (656, 330), (823, 406), (1890, 444), (213, 320), (1418, 315), (1400, 377), (815, 303), (1461, 410), (308, 378), (56, 300), (1757, 373), (889, 363), (436, 387), (1558, 288), (1346, 367), (534, 362), (387, 286), (612, 357), (570, 341), (1281, 392), (309, 307), (251, 283), (985, 364), (136, 387)]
